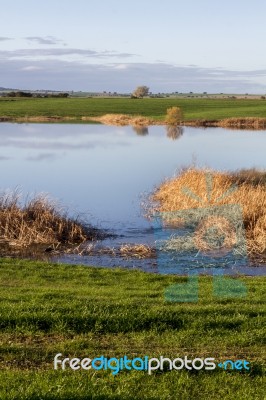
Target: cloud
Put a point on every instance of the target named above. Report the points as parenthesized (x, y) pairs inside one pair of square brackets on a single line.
[(59, 52), (43, 40), (3, 158), (121, 66), (42, 157), (123, 77), (44, 141), (31, 68), (3, 38)]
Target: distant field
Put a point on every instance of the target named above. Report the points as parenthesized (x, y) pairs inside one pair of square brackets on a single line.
[(87, 312), (193, 109)]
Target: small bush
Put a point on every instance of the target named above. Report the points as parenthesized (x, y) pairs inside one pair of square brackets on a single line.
[(174, 116)]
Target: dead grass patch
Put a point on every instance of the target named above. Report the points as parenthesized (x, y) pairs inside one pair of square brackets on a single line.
[(123, 120), (248, 123), (39, 221), (243, 123), (250, 194), (137, 251)]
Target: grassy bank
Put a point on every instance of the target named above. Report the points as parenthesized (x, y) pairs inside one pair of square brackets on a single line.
[(76, 108), (82, 311)]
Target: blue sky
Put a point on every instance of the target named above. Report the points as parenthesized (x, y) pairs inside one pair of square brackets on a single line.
[(115, 45)]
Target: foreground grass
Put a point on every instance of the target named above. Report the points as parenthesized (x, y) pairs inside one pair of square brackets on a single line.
[(82, 311), (193, 109)]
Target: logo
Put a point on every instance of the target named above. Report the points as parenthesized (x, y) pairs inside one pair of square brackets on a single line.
[(146, 363)]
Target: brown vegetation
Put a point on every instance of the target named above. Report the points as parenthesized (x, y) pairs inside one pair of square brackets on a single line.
[(40, 221), (174, 116), (123, 120), (137, 251), (231, 123), (250, 194), (128, 251)]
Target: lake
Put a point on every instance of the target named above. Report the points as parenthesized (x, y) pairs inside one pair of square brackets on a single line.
[(103, 172)]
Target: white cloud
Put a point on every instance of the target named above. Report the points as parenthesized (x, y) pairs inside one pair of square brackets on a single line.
[(120, 66), (43, 40), (3, 38), (59, 52), (31, 68)]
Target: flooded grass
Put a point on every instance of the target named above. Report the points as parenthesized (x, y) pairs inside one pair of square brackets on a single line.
[(128, 251)]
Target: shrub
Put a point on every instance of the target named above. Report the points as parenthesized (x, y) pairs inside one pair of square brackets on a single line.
[(174, 116)]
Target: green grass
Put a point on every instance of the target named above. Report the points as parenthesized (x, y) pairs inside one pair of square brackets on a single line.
[(154, 108), (84, 311)]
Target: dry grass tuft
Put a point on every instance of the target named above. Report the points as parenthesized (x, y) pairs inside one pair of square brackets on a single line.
[(123, 120), (39, 221), (137, 251), (243, 123), (250, 194), (248, 123)]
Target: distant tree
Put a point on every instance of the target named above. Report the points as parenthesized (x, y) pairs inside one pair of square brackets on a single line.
[(141, 91), (19, 94), (60, 95)]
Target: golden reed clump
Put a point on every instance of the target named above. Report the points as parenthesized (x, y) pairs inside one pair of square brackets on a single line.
[(40, 221), (123, 120), (250, 194)]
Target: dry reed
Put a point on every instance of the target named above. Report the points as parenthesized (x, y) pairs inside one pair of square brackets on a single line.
[(123, 120), (250, 195), (39, 221), (247, 123)]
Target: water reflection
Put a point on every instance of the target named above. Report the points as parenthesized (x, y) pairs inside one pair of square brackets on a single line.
[(174, 132), (104, 169), (141, 130), (101, 171)]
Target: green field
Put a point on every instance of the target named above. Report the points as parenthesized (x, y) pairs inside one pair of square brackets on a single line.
[(154, 108), (86, 312)]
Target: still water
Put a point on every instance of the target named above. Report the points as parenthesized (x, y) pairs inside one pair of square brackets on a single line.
[(103, 172)]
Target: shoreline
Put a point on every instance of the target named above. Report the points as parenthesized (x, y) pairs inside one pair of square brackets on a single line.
[(251, 123)]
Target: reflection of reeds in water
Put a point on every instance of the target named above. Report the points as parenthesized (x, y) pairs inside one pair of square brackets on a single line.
[(39, 221), (250, 195), (141, 130), (174, 132)]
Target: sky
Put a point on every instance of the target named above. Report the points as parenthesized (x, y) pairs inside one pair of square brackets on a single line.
[(116, 45)]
